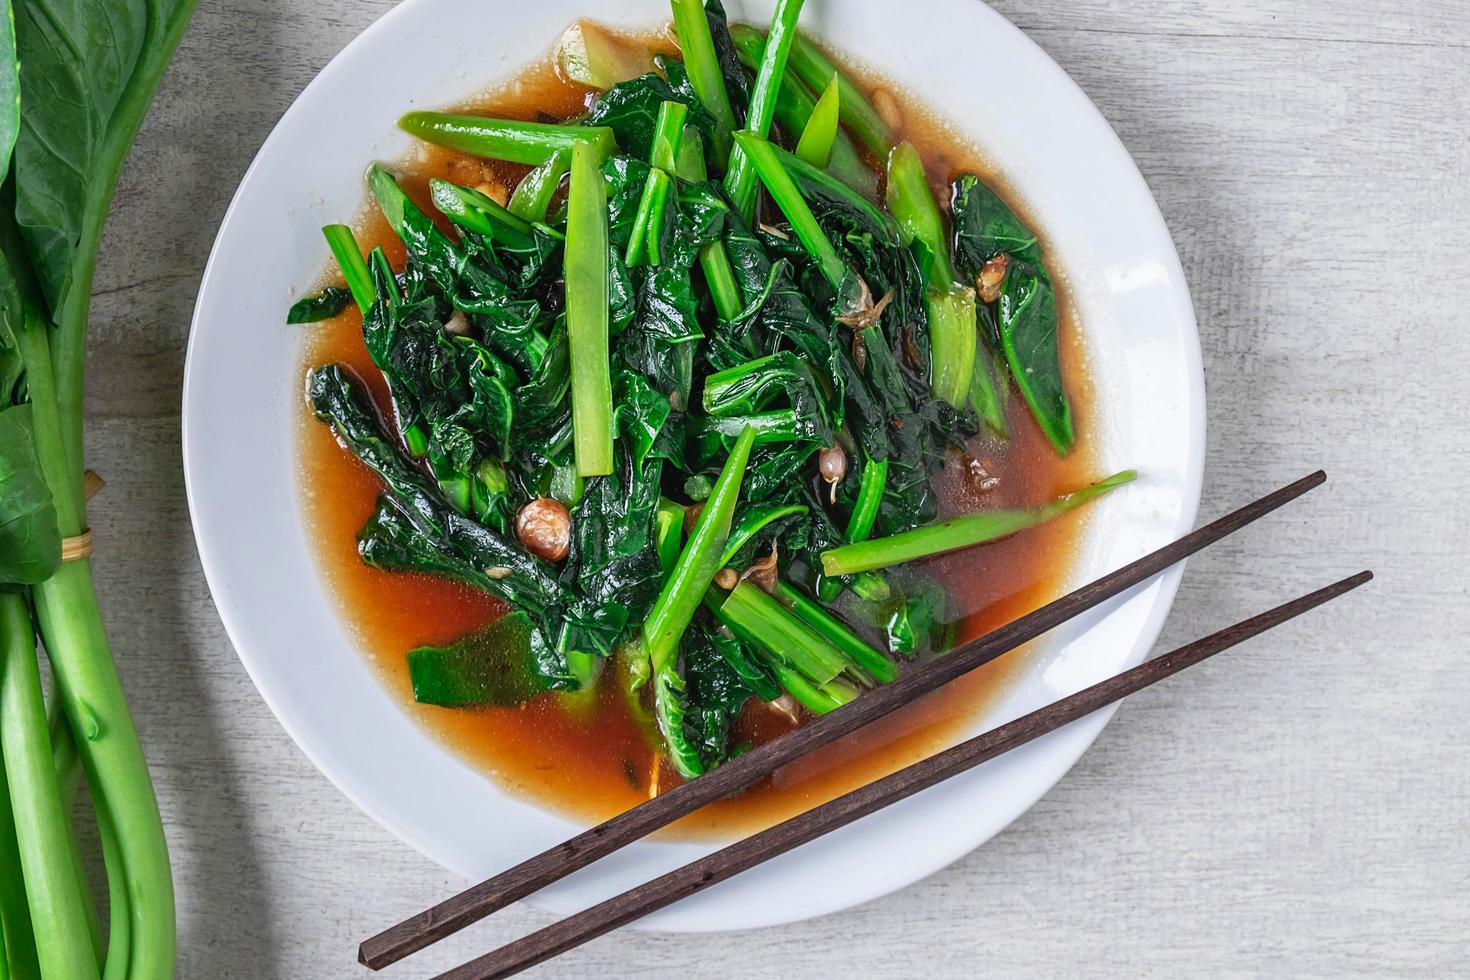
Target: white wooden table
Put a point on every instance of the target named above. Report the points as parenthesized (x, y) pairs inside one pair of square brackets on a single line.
[(1299, 809)]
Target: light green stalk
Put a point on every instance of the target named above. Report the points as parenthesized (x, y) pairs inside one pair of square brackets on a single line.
[(959, 532), (698, 47), (740, 179), (587, 314), (819, 135), (42, 831)]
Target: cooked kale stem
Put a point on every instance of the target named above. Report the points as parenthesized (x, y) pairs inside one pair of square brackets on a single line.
[(683, 592), (532, 196), (720, 278), (652, 205), (750, 611), (788, 198), (795, 105), (476, 212), (959, 532), (911, 201), (698, 561), (343, 244), (698, 47), (740, 179), (872, 666), (953, 337), (511, 140), (587, 313), (870, 496), (813, 67), (819, 135)]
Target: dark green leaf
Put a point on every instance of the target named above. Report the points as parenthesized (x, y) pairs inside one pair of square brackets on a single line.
[(491, 667), (320, 306), (1029, 335), (985, 227), (30, 544), (88, 71)]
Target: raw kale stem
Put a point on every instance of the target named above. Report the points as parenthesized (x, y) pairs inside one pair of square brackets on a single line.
[(959, 532), (652, 205), (533, 194), (788, 198), (873, 666), (15, 913), (57, 908), (794, 108), (587, 313), (740, 179), (698, 47), (474, 211), (506, 139), (92, 699), (681, 596), (343, 244), (68, 766), (813, 67), (953, 335), (820, 133)]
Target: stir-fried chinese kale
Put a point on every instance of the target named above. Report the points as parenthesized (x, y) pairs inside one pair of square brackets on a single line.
[(685, 413)]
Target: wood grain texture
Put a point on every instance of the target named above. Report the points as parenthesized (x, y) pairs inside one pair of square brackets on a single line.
[(1313, 163)]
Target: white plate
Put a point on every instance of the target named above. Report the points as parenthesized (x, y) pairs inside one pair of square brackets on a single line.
[(242, 389)]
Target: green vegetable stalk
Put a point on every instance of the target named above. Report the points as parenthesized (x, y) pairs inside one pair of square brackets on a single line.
[(476, 212), (698, 47), (511, 140), (819, 135), (587, 313), (345, 250), (951, 307), (532, 196), (817, 72), (57, 907), (680, 598), (872, 665), (959, 532), (783, 189), (806, 664), (648, 224), (795, 106), (740, 180)]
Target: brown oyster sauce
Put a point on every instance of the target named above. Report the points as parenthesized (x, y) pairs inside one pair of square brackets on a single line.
[(593, 762)]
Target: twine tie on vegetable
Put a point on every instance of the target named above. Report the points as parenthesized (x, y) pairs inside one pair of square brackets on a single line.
[(79, 546)]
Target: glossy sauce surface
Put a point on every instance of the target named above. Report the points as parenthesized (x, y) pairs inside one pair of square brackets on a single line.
[(591, 760)]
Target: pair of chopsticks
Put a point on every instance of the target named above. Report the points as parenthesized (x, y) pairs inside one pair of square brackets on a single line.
[(481, 900)]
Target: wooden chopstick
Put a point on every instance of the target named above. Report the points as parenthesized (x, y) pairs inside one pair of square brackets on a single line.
[(577, 929), (535, 873)]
